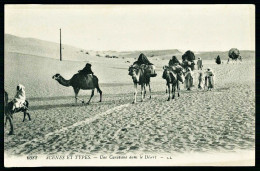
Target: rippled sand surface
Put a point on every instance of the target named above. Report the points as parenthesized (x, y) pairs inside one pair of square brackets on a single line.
[(198, 121)]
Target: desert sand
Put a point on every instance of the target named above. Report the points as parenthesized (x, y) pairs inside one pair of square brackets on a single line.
[(221, 120)]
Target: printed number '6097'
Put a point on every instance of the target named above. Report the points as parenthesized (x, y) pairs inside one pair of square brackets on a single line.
[(31, 157)]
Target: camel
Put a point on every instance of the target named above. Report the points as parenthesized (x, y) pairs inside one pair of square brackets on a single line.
[(80, 81), (140, 75), (171, 79), (9, 113)]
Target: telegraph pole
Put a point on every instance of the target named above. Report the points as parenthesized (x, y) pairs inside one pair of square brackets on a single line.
[(60, 47)]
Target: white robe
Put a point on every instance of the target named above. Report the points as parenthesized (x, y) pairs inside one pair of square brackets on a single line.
[(20, 97)]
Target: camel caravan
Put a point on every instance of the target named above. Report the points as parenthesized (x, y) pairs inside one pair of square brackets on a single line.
[(141, 71)]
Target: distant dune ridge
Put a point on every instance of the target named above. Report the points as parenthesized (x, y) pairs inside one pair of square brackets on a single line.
[(48, 49)]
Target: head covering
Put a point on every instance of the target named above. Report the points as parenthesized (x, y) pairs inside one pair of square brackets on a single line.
[(198, 57), (209, 68), (189, 69), (88, 65), (20, 87)]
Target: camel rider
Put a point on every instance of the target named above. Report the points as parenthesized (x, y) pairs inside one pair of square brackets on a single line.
[(175, 66), (86, 70), (19, 98), (142, 59)]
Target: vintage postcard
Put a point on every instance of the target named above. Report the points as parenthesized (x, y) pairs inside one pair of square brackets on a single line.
[(129, 85)]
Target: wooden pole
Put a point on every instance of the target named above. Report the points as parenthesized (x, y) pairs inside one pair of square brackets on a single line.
[(60, 47)]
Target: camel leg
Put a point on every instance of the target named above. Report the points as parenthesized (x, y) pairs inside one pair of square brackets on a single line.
[(173, 91), (142, 93), (178, 89), (92, 94), (150, 90), (24, 114), (169, 92), (135, 93), (11, 125), (5, 120), (100, 92), (28, 116), (76, 91)]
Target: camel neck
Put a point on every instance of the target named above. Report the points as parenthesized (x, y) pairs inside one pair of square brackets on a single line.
[(64, 82)]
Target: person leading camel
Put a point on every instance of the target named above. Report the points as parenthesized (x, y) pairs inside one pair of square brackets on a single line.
[(209, 78), (188, 78), (19, 98), (201, 81)]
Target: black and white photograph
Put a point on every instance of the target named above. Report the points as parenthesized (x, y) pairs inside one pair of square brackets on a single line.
[(129, 85)]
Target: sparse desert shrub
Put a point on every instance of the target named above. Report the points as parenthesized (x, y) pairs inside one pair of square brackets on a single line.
[(98, 55)]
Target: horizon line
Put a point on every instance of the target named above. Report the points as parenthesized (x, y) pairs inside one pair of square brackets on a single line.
[(180, 50)]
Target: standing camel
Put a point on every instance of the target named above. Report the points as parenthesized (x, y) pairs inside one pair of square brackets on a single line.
[(80, 81), (172, 80), (140, 75), (9, 113)]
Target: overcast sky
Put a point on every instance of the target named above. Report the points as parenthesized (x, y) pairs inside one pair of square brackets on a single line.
[(137, 27)]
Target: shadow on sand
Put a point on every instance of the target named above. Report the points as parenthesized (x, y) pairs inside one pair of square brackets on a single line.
[(64, 105), (115, 99)]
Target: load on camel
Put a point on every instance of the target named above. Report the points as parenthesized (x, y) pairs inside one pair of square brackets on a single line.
[(84, 80), (173, 74), (141, 72), (234, 55), (188, 60)]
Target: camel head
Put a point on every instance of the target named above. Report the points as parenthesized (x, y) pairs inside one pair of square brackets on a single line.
[(165, 71), (134, 72), (56, 76)]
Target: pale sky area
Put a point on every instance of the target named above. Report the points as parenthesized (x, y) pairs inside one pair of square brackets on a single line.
[(137, 27)]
